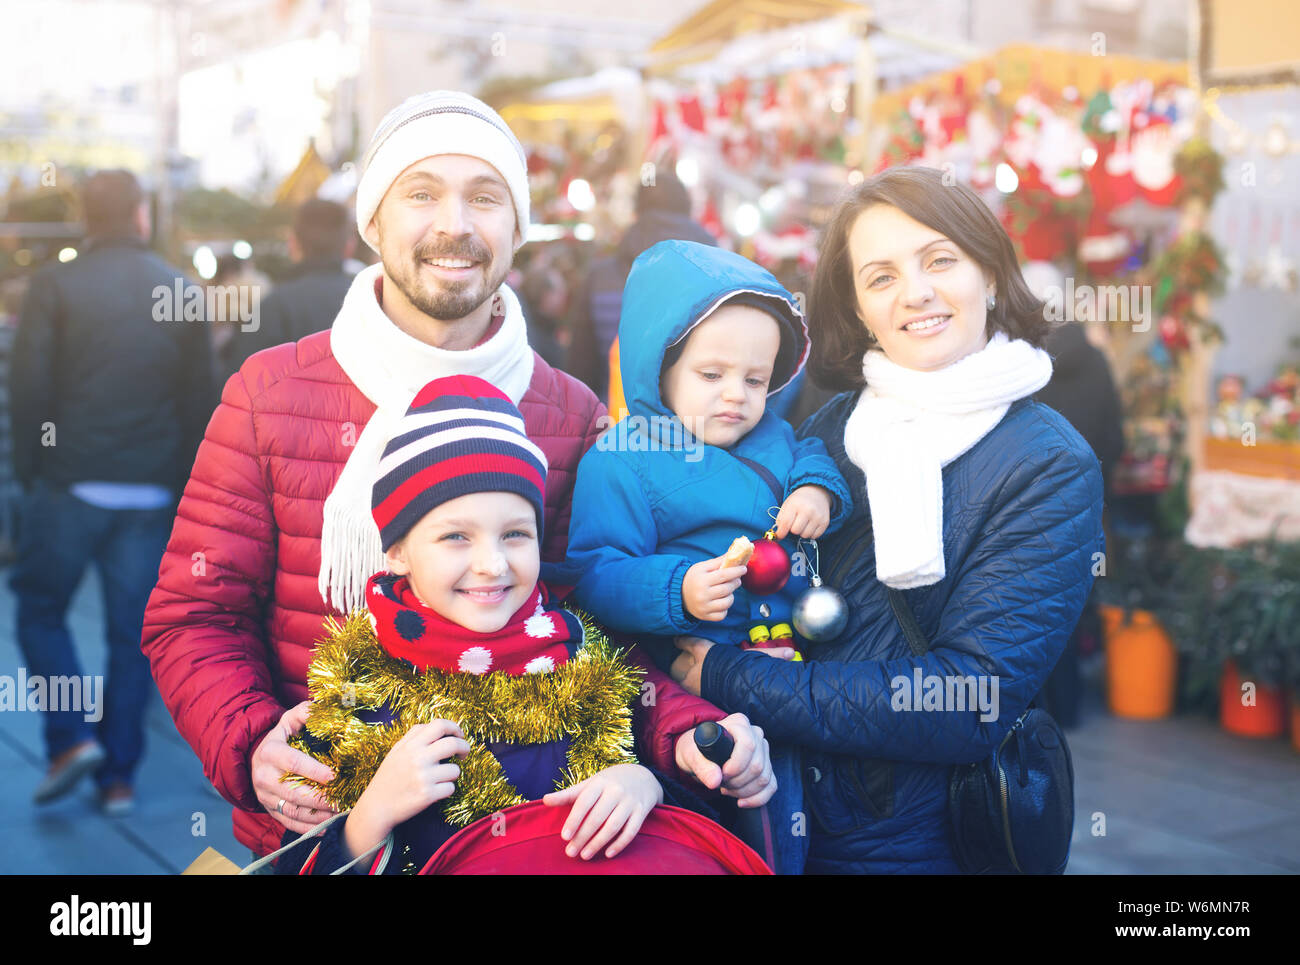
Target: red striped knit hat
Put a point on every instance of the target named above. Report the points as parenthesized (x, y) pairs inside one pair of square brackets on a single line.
[(461, 435)]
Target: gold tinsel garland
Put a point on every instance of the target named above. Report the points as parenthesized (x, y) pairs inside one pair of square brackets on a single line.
[(588, 699)]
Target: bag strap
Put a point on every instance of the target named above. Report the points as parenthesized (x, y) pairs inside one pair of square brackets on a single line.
[(265, 860), (381, 862), (917, 641), (911, 629)]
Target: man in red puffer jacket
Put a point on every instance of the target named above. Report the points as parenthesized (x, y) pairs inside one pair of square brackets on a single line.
[(275, 519)]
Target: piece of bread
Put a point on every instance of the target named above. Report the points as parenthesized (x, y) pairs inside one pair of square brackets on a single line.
[(738, 553)]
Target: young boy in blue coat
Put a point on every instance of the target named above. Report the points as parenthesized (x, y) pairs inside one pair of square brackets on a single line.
[(706, 336)]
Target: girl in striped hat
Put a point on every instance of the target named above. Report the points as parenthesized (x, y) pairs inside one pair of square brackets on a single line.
[(462, 689)]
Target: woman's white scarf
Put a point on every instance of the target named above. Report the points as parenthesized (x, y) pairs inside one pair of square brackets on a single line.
[(908, 425), (390, 367)]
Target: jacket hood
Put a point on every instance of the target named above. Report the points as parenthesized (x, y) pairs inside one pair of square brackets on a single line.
[(671, 288)]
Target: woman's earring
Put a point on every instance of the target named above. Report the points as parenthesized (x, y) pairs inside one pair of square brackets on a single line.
[(991, 302)]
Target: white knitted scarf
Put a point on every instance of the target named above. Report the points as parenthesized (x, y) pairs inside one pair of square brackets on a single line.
[(390, 367), (907, 425)]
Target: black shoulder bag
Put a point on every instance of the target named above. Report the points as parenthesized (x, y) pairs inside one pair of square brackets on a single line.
[(1013, 812)]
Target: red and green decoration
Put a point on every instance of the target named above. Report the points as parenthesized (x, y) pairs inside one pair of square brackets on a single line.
[(1043, 225), (1193, 263), (906, 142), (1190, 265)]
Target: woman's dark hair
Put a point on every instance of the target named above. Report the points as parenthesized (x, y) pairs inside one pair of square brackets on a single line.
[(839, 337)]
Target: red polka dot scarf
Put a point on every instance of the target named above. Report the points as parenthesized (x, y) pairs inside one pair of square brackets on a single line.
[(537, 639)]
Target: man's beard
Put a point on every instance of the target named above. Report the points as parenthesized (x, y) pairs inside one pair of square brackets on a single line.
[(448, 302)]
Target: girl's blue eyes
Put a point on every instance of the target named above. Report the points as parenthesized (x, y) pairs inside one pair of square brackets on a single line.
[(511, 535), (461, 537)]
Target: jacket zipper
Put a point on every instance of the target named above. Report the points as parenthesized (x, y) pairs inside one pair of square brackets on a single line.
[(1006, 811)]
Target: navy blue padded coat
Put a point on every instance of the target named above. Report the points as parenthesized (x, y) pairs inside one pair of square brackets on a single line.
[(1022, 533)]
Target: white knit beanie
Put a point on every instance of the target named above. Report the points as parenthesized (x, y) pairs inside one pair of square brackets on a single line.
[(433, 123)]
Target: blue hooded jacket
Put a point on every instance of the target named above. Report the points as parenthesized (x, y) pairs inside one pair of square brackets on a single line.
[(650, 500)]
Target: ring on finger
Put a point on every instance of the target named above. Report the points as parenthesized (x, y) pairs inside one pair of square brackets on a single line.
[(280, 807)]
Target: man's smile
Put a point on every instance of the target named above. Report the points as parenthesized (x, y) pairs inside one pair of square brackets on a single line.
[(451, 269)]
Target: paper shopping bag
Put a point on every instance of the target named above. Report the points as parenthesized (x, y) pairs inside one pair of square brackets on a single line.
[(211, 862)]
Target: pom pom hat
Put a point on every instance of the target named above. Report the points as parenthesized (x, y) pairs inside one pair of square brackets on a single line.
[(460, 435), (434, 123)]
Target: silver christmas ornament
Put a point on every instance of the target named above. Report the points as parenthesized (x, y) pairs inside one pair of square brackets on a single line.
[(820, 613)]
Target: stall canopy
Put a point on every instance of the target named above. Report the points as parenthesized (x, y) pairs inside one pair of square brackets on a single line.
[(582, 104), (1020, 67), (704, 33)]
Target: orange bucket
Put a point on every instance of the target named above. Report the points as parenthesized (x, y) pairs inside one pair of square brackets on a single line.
[(1141, 665), (1112, 617), (1267, 718)]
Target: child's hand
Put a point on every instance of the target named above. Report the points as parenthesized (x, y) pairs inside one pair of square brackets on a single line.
[(412, 776), (708, 589), (806, 512), (613, 800)]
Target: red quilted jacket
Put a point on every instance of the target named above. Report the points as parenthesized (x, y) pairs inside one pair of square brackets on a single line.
[(231, 625)]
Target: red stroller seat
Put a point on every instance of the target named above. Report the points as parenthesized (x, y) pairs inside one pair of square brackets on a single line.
[(525, 840)]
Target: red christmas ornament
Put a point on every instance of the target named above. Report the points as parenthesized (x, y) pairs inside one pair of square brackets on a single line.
[(768, 568)]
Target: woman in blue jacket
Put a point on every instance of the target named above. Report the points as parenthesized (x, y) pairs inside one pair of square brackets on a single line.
[(981, 507)]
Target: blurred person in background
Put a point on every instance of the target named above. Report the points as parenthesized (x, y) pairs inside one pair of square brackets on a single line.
[(545, 295), (110, 394), (321, 245), (228, 343), (12, 291), (663, 213), (1083, 390)]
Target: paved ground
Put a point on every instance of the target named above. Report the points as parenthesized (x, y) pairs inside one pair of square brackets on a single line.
[(177, 812), (1176, 796)]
